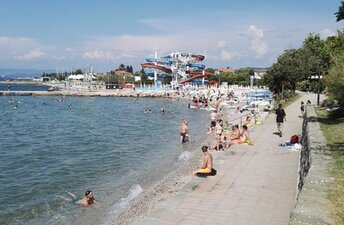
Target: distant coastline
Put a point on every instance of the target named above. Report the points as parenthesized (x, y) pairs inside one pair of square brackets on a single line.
[(25, 82), (80, 92)]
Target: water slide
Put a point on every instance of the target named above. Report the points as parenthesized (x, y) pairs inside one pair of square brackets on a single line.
[(153, 66), (196, 75), (198, 57), (196, 66), (165, 60)]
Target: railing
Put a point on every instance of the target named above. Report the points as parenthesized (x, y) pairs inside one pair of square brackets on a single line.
[(239, 119)]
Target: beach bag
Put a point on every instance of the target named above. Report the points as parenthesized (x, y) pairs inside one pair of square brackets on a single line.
[(294, 139)]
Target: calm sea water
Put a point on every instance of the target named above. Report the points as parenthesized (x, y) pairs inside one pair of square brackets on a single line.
[(22, 87), (107, 145)]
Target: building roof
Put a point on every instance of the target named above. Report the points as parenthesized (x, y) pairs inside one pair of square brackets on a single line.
[(226, 70), (122, 72)]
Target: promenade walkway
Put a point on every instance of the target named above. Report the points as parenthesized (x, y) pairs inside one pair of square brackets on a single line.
[(255, 185)]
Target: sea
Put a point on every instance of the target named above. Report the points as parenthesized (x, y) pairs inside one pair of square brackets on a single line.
[(53, 149)]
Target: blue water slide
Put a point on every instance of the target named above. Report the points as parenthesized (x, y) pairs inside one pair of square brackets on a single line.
[(196, 66), (150, 73), (161, 60), (198, 82)]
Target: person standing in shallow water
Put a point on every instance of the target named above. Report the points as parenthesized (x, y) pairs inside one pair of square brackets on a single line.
[(280, 119), (184, 131)]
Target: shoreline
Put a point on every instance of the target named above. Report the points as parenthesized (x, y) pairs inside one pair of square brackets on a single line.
[(169, 186), (179, 182)]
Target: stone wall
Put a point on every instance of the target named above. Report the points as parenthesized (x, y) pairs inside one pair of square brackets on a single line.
[(312, 204)]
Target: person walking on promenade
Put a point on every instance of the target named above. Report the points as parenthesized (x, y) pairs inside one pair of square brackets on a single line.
[(207, 166), (302, 108), (280, 119)]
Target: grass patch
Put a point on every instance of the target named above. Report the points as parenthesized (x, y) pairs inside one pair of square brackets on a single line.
[(333, 131), (291, 100), (293, 97)]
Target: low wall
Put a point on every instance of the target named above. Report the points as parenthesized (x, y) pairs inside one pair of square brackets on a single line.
[(312, 204)]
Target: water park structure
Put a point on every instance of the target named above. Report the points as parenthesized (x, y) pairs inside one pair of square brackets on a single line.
[(182, 67)]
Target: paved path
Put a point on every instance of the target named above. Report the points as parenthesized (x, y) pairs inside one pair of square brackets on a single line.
[(255, 185)]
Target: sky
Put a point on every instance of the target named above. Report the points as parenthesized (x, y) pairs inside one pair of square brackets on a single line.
[(102, 34)]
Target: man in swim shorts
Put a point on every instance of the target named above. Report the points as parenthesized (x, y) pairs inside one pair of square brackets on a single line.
[(213, 117), (184, 131), (207, 166)]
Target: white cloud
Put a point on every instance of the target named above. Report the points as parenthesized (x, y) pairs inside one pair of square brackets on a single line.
[(69, 50), (259, 47), (26, 49), (325, 33), (99, 55), (33, 54), (221, 44), (226, 56), (255, 32), (17, 43)]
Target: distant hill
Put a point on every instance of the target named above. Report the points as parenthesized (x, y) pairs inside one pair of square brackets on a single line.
[(12, 74)]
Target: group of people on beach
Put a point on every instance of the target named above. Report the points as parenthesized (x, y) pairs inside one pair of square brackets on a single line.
[(225, 134)]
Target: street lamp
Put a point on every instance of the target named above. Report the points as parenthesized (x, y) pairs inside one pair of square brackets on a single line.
[(317, 77)]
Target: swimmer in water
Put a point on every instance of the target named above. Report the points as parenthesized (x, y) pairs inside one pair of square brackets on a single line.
[(88, 199)]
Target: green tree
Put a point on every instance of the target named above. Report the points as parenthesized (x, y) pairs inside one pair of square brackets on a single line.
[(144, 77), (340, 13), (334, 45), (286, 70), (78, 71), (334, 81), (129, 69), (315, 48), (242, 76), (121, 67)]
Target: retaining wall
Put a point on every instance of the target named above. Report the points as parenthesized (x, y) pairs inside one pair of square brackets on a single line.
[(312, 204)]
